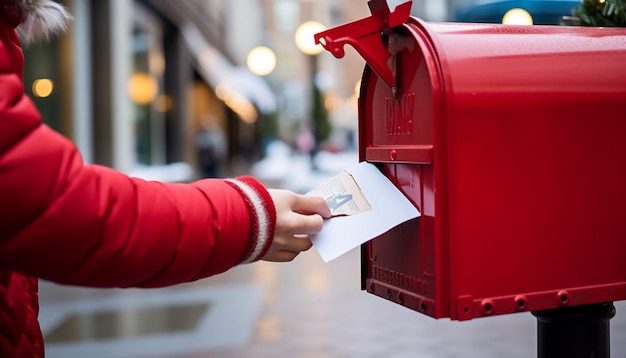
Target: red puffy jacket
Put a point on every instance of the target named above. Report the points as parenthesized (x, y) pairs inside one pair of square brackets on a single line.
[(89, 225)]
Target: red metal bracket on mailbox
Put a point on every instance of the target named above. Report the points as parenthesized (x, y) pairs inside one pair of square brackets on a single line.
[(364, 36)]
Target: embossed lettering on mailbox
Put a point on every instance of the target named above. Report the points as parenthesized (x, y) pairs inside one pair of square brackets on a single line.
[(400, 280), (400, 116)]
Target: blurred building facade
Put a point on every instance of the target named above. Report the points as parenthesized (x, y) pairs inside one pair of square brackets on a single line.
[(132, 83)]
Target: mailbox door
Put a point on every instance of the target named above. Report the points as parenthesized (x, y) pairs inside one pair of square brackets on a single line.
[(407, 265)]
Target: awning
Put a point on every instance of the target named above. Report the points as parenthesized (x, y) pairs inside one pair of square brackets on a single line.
[(241, 90), (544, 12), (236, 86)]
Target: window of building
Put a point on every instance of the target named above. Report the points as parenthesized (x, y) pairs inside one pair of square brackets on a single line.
[(44, 82), (145, 88)]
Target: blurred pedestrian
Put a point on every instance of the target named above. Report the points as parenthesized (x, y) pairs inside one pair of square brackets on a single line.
[(78, 224), (211, 146)]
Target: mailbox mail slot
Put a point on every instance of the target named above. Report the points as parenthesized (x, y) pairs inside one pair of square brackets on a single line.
[(511, 141)]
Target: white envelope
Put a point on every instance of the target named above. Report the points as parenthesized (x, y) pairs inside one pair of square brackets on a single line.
[(389, 208)]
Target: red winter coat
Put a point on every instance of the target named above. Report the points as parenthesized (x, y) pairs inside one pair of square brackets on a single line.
[(89, 225)]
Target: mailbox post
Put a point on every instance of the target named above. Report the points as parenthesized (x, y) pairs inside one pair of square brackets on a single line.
[(580, 331), (510, 142)]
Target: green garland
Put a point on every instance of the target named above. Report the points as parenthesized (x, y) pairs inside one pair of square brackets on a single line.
[(601, 13)]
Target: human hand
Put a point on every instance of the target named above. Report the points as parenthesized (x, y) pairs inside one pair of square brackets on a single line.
[(297, 216)]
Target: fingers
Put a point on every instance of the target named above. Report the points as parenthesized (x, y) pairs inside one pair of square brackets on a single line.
[(292, 243), (295, 223), (306, 204), (281, 256), (311, 205), (285, 248), (297, 216)]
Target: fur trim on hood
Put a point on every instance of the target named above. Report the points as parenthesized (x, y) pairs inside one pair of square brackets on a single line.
[(41, 19)]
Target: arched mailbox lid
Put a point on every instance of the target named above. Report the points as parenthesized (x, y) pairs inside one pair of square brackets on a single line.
[(528, 67)]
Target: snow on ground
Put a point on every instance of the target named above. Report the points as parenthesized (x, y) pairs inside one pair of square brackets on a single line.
[(282, 167), (290, 170)]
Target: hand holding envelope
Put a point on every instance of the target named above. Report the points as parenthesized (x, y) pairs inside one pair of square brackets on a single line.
[(364, 204)]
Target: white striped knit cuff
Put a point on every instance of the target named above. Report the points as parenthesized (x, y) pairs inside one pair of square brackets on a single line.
[(262, 213)]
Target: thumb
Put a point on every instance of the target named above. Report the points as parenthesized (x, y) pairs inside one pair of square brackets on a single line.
[(309, 204)]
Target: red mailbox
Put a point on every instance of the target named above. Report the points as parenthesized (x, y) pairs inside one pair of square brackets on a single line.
[(511, 141)]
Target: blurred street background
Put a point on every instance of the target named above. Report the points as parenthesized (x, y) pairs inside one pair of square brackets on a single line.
[(178, 90)]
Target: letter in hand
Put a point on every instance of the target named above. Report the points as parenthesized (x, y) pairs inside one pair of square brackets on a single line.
[(297, 216)]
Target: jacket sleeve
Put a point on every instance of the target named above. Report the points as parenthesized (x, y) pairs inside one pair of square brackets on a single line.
[(90, 225)]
